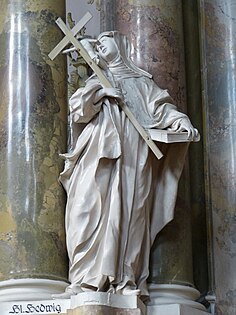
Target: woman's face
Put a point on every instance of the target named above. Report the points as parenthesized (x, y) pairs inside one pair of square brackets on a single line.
[(107, 48)]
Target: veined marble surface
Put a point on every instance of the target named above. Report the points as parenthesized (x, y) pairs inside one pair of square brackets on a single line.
[(33, 119), (218, 39)]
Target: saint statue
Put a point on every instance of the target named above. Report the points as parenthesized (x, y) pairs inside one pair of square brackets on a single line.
[(119, 194)]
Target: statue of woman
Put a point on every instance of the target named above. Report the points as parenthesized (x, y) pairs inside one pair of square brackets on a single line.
[(119, 195)]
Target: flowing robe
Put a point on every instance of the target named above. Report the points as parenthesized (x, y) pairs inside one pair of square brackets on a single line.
[(119, 195)]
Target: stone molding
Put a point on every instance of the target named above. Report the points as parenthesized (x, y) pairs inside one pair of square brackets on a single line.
[(174, 309), (165, 300), (163, 294), (30, 289)]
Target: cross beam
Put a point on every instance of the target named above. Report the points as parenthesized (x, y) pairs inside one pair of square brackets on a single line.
[(105, 82), (74, 31)]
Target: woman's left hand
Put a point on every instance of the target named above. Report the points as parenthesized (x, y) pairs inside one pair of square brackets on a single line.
[(184, 124)]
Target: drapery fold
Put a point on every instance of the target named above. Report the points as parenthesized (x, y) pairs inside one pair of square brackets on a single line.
[(119, 195)]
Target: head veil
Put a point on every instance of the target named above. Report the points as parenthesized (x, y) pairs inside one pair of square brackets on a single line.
[(124, 57)]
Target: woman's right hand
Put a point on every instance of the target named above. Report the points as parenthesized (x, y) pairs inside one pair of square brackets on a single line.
[(109, 92), (113, 92)]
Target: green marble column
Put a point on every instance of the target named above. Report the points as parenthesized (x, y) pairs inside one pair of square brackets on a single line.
[(196, 156), (218, 43), (33, 123)]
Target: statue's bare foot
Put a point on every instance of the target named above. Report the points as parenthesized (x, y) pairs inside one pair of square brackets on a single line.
[(129, 290), (67, 294), (111, 290)]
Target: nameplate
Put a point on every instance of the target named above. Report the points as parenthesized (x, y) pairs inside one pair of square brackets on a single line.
[(35, 307)]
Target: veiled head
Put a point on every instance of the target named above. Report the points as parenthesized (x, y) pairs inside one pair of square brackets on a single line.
[(115, 48), (119, 44), (107, 48)]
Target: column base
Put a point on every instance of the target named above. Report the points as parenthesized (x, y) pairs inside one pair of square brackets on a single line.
[(174, 309), (30, 289), (163, 294)]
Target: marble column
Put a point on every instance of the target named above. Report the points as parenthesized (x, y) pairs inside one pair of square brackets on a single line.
[(218, 40), (33, 124), (196, 155), (155, 28)]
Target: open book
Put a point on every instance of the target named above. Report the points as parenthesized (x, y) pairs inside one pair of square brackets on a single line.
[(168, 136)]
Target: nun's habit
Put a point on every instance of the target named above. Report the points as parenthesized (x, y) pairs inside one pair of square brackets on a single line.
[(119, 195)]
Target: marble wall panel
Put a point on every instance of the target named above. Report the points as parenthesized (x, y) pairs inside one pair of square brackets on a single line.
[(33, 120), (218, 40)]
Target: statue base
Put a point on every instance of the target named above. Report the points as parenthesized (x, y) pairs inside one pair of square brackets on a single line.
[(101, 310)]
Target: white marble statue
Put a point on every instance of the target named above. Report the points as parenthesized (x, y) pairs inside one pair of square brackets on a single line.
[(119, 194)]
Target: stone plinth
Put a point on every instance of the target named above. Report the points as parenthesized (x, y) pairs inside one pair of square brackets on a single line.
[(107, 299), (103, 310)]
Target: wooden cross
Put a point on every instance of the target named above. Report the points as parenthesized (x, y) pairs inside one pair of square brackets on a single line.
[(65, 41), (101, 76)]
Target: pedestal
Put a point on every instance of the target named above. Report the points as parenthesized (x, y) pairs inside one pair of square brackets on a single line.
[(109, 300), (101, 310)]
